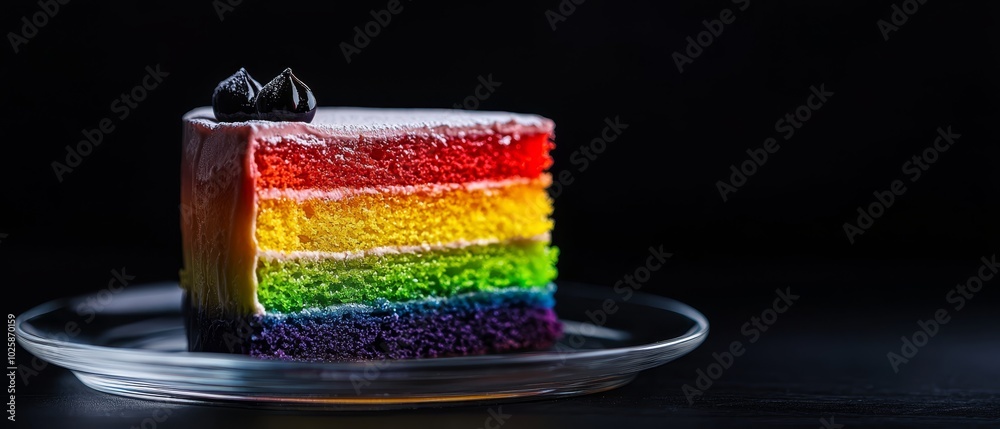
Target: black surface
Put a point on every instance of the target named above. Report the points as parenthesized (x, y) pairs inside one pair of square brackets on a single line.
[(654, 185)]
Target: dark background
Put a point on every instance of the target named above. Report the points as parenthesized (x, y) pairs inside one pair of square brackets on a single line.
[(654, 185)]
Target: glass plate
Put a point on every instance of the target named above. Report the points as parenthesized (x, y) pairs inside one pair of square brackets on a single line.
[(131, 342)]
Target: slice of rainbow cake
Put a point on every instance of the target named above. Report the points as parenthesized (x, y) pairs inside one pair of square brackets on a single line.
[(368, 234)]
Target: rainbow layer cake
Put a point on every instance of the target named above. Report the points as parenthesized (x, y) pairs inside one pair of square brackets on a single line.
[(368, 234)]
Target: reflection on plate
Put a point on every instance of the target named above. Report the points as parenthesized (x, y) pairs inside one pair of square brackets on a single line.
[(132, 343)]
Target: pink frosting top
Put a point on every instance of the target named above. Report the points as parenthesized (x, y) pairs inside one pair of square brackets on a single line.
[(353, 122)]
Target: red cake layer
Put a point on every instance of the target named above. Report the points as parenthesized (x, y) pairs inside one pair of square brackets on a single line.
[(400, 160)]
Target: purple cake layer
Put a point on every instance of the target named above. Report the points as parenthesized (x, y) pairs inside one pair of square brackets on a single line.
[(468, 324), (388, 336)]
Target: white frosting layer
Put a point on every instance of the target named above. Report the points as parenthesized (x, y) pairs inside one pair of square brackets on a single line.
[(300, 195), (355, 122), (274, 255)]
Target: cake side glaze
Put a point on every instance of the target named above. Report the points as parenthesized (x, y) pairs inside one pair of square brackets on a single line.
[(217, 223), (218, 219)]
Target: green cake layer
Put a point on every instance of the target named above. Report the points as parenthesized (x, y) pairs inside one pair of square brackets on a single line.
[(291, 285)]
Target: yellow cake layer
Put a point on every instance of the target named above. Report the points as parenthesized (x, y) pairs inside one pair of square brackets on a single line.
[(369, 221)]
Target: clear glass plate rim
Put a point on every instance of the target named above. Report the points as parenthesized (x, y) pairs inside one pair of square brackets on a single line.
[(696, 334)]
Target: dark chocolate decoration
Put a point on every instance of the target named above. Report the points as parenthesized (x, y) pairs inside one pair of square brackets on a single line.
[(286, 98), (234, 98)]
